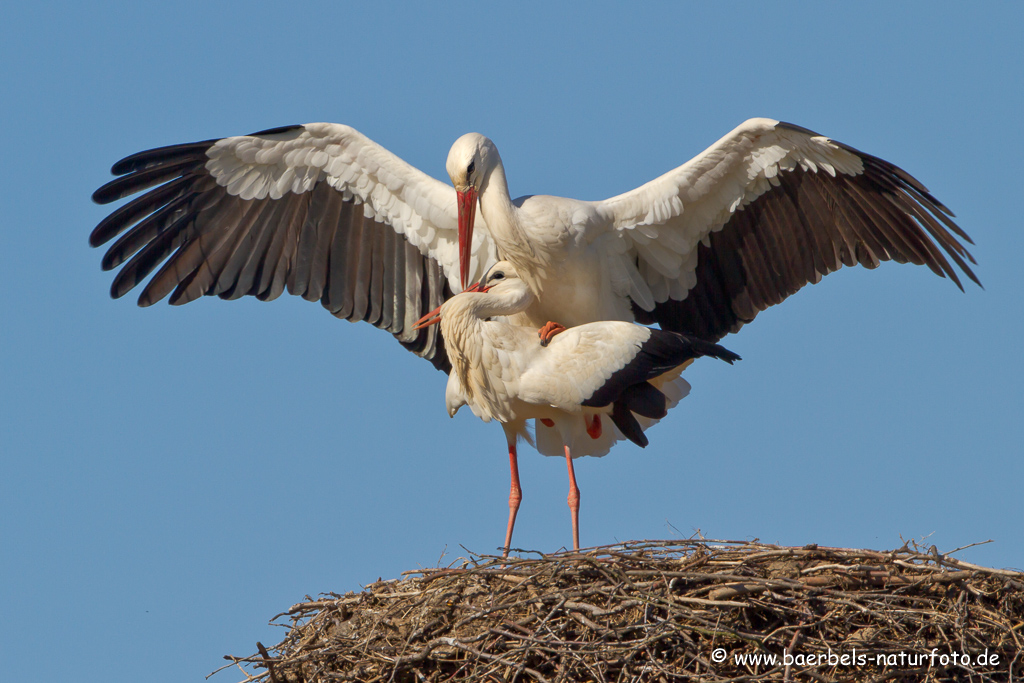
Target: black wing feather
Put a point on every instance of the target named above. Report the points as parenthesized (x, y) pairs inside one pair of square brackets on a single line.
[(805, 227), (199, 240)]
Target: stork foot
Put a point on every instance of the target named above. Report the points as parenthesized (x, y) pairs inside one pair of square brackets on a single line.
[(549, 330)]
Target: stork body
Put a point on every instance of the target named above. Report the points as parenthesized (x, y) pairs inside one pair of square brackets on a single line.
[(556, 244), (590, 383), (322, 212)]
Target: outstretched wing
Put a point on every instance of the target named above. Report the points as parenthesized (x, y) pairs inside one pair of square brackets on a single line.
[(764, 211), (317, 209)]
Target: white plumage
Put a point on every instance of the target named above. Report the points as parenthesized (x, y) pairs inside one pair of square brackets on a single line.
[(387, 188)]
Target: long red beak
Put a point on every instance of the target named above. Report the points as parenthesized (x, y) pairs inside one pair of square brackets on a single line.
[(467, 215), (429, 319), (434, 316)]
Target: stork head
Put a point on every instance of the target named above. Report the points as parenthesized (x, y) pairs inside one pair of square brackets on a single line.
[(470, 162), (508, 295), (502, 276)]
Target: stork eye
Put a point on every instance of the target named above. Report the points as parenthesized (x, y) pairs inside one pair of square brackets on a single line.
[(498, 276), (470, 168)]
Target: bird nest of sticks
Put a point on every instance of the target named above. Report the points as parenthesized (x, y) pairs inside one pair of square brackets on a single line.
[(664, 611)]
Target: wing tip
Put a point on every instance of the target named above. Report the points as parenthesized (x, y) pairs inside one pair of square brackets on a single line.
[(279, 130), (107, 193)]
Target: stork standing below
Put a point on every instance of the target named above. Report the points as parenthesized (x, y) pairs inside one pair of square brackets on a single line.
[(325, 213), (602, 370)]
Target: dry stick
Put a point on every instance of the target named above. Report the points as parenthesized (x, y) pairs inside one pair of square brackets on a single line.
[(267, 662), (791, 648)]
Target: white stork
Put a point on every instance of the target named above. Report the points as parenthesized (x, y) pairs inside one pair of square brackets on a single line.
[(607, 370), (329, 215)]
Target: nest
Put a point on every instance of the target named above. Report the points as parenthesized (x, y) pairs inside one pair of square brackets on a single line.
[(664, 611)]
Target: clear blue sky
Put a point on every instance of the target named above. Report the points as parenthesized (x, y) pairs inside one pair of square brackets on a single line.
[(173, 477)]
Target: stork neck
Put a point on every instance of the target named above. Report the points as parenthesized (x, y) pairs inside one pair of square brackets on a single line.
[(502, 218), (463, 316), (508, 299), (467, 333)]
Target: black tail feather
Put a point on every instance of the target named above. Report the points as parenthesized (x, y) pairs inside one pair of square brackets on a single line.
[(628, 390), (643, 399), (667, 350), (663, 351), (627, 424)]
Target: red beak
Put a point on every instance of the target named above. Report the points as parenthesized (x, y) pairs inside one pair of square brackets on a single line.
[(434, 316), (467, 214), (429, 319)]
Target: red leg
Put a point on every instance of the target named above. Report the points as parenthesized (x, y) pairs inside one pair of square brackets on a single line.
[(549, 330), (574, 502), (515, 495)]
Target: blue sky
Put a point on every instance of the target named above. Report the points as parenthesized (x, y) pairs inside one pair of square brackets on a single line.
[(173, 477)]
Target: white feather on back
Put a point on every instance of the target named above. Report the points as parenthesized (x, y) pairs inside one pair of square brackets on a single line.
[(582, 359)]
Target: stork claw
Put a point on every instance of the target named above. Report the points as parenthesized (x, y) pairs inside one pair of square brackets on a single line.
[(549, 330)]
